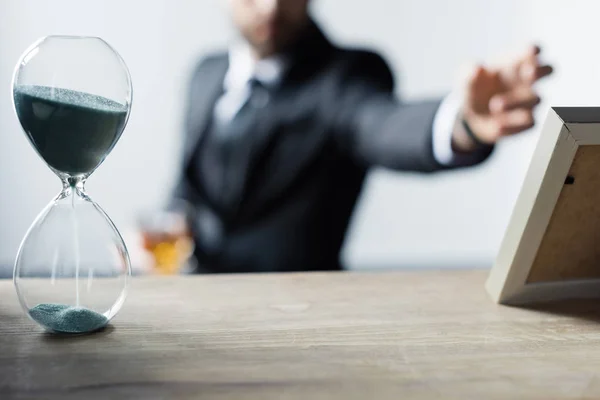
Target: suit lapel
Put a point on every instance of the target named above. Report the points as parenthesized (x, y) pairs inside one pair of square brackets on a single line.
[(207, 87), (306, 58), (251, 146)]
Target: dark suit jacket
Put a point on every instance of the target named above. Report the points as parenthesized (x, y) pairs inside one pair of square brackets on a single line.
[(333, 116)]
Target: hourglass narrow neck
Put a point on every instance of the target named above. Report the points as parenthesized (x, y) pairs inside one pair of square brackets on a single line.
[(73, 184)]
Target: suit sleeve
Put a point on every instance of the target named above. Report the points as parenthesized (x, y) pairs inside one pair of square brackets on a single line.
[(375, 128)]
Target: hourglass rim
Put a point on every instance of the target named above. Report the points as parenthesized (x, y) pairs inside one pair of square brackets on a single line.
[(69, 37), (39, 41), (61, 36)]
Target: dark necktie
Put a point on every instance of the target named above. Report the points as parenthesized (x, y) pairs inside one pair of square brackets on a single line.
[(223, 158)]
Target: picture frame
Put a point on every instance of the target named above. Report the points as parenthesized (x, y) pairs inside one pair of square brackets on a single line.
[(551, 247)]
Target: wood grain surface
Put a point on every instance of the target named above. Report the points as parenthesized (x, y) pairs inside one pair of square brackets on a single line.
[(400, 335)]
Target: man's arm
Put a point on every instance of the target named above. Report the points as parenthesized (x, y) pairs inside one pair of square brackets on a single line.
[(377, 129), (447, 126)]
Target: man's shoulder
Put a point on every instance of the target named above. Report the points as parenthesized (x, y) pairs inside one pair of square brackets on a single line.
[(357, 62), (214, 57), (360, 55), (210, 61)]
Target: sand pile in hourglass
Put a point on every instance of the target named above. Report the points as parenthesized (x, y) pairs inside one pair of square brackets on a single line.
[(73, 131), (59, 121)]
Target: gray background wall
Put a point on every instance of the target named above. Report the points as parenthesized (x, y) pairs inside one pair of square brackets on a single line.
[(403, 220)]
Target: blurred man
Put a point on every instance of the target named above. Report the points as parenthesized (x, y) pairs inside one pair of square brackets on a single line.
[(282, 128)]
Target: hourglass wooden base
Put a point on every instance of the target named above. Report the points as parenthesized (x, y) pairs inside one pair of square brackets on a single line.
[(551, 249)]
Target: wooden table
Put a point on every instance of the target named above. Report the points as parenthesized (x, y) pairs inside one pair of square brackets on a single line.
[(404, 335)]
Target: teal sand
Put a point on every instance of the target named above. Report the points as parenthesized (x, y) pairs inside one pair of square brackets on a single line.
[(67, 319), (72, 131)]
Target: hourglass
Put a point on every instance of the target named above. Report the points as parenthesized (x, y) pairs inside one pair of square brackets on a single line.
[(72, 96)]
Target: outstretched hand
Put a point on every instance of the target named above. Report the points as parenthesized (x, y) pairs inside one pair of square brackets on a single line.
[(500, 101)]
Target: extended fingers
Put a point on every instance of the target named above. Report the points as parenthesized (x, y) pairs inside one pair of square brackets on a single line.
[(511, 122), (532, 72), (522, 97)]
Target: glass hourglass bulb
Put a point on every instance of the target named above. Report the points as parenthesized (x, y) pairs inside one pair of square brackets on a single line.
[(72, 96)]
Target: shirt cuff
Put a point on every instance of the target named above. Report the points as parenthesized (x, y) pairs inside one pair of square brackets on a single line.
[(443, 127)]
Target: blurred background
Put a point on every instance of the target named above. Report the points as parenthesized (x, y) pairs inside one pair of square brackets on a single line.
[(454, 219)]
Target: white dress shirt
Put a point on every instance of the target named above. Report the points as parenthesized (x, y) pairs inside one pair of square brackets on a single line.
[(243, 67)]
